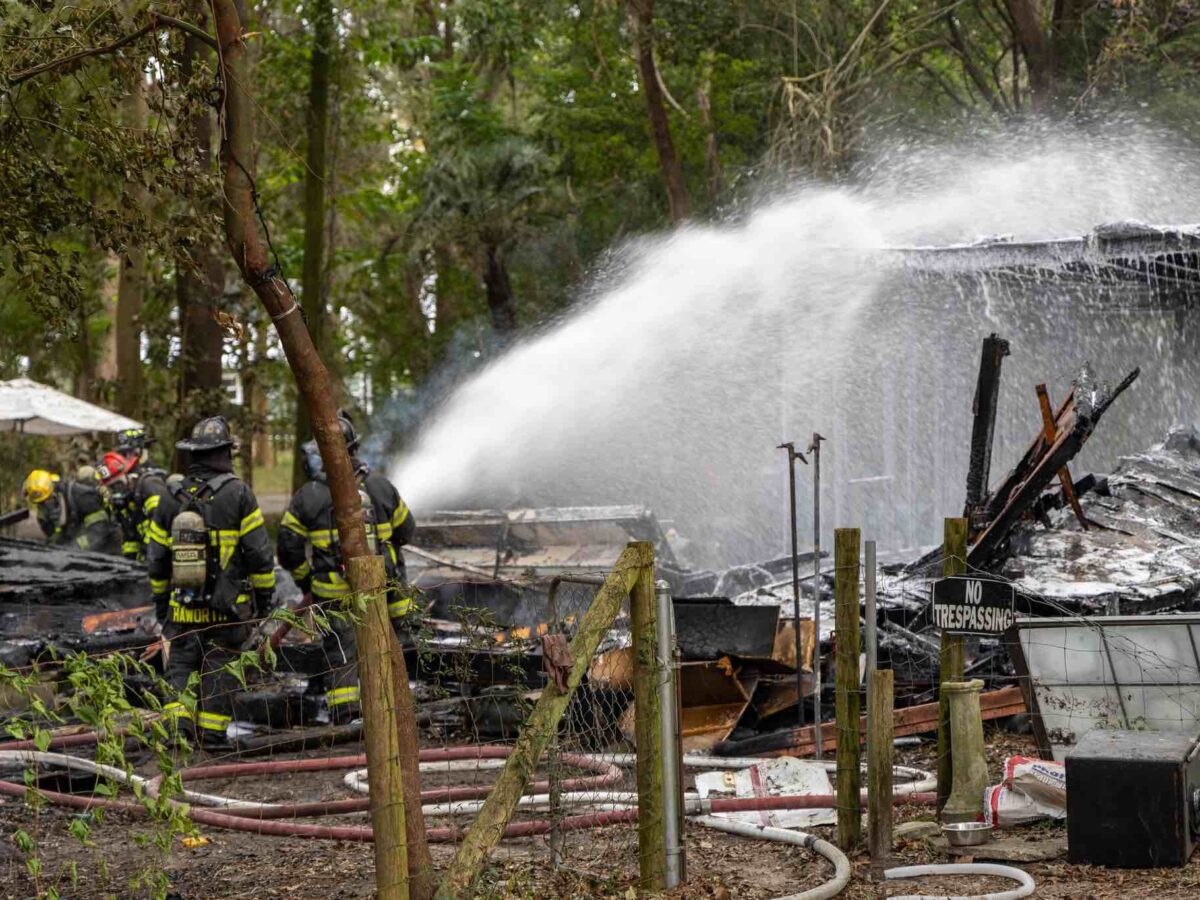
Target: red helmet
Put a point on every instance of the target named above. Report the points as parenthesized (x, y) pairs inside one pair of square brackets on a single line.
[(112, 468)]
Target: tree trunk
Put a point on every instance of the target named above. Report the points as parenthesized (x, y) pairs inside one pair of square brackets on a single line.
[(249, 379), (641, 21), (1039, 57), (501, 303), (131, 287), (85, 374), (250, 253), (198, 286), (712, 159), (320, 15), (106, 362), (262, 439)]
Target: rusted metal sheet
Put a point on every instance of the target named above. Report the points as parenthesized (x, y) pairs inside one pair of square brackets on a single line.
[(713, 700), (527, 544), (774, 695)]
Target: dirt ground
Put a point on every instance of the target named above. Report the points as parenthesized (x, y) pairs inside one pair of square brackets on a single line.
[(598, 863)]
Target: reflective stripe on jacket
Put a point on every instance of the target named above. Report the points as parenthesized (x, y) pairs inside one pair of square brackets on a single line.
[(240, 562), (309, 523)]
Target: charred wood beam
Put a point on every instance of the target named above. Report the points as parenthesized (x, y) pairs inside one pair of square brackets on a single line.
[(1040, 465), (983, 428)]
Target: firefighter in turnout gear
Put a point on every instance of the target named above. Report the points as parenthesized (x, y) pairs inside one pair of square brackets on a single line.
[(132, 489), (308, 548), (72, 512), (211, 573)]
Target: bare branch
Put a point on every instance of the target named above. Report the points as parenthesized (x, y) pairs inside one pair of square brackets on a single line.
[(156, 20)]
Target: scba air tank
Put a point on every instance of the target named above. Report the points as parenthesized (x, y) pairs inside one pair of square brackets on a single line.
[(189, 551)]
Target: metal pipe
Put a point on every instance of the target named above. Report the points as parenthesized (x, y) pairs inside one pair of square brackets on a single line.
[(790, 447), (671, 777), (815, 449), (872, 638)]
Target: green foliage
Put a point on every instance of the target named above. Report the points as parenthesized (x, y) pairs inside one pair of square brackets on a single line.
[(480, 126), (93, 690)]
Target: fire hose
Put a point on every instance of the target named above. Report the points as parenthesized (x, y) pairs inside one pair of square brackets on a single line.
[(250, 816)]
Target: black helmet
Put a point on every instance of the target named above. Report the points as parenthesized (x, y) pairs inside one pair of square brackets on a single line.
[(133, 439), (348, 432), (208, 434)]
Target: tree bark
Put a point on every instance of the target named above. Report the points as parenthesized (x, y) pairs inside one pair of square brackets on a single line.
[(500, 300), (198, 286), (131, 286), (1039, 61), (641, 21), (251, 255), (320, 14), (712, 158)]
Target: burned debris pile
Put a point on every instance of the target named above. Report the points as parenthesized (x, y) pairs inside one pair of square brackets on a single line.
[(60, 598), (497, 588)]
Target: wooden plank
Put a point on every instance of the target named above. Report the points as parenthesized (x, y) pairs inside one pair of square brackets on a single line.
[(652, 839), (880, 689), (1064, 474), (922, 719)]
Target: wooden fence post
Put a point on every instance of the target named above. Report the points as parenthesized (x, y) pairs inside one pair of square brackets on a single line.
[(373, 634), (652, 838), (954, 562), (845, 564), (880, 685)]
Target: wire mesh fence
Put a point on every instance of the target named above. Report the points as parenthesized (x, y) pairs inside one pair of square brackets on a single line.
[(287, 758)]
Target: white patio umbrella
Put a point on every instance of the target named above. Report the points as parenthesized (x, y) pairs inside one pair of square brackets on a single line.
[(27, 407)]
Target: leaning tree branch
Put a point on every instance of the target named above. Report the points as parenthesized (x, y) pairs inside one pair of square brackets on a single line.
[(157, 20)]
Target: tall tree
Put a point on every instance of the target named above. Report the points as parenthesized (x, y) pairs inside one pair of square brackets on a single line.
[(131, 281), (641, 22), (312, 284), (199, 275)]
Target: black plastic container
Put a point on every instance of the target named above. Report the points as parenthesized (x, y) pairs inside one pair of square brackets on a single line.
[(1132, 799)]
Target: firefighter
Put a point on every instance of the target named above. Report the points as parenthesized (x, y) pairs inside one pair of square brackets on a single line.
[(211, 573), (132, 493), (309, 523), (72, 512)]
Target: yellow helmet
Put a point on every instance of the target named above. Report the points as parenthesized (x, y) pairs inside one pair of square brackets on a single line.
[(39, 486)]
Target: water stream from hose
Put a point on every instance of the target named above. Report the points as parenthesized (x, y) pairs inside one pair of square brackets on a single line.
[(671, 382)]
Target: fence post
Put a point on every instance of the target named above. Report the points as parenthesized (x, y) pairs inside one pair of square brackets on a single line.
[(954, 562), (672, 764), (648, 737), (374, 637), (846, 611), (880, 685)]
